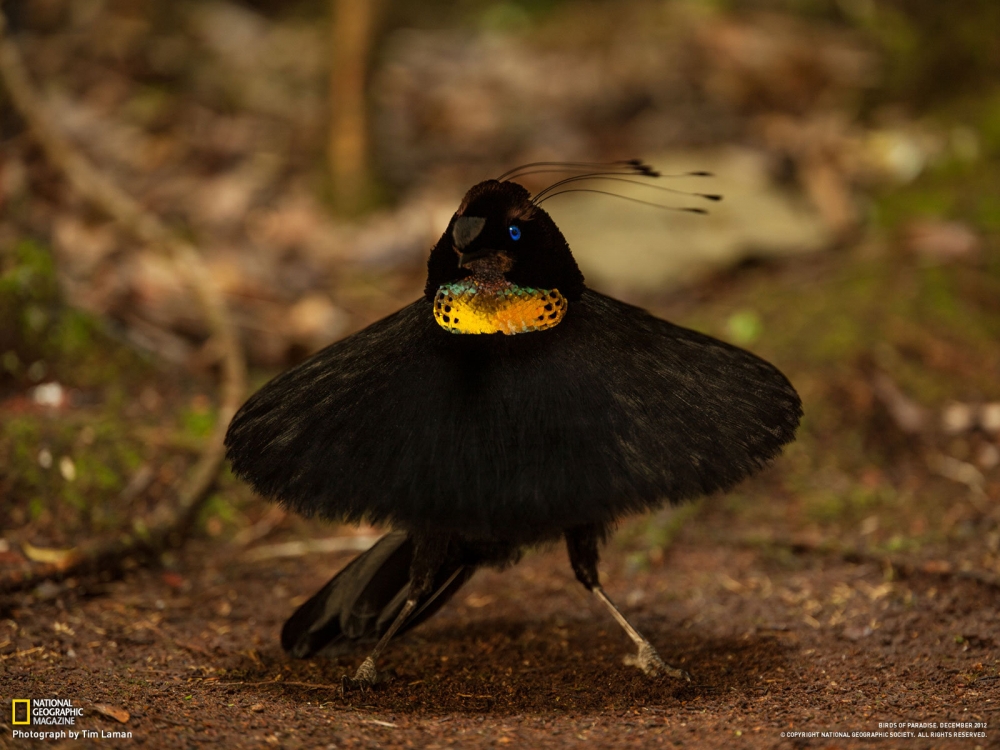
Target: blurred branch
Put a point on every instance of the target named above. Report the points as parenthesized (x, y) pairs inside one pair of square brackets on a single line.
[(110, 198), (908, 415), (311, 547), (352, 34)]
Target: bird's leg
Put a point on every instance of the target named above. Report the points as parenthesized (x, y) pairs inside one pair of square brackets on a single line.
[(582, 543), (428, 556)]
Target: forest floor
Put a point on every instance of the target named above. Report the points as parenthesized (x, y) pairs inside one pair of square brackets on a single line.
[(776, 640)]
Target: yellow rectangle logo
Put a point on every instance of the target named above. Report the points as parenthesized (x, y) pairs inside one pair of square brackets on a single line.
[(25, 705)]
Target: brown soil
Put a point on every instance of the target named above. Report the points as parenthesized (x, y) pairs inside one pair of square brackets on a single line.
[(793, 640)]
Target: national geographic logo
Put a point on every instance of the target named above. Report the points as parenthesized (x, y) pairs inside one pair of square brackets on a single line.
[(44, 711), (20, 711)]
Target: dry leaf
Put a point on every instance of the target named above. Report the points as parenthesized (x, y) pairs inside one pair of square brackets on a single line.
[(113, 712), (61, 558), (941, 240)]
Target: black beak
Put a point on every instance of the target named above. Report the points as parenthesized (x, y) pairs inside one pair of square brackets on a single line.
[(464, 259), (465, 230)]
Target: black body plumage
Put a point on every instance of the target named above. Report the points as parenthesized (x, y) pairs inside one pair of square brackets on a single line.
[(502, 440), (512, 437)]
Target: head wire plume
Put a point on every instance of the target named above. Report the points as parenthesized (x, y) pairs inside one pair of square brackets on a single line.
[(627, 166), (629, 171)]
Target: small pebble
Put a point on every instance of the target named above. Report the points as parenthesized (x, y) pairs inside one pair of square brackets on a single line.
[(47, 590), (67, 468), (989, 417), (48, 394), (957, 418), (988, 456)]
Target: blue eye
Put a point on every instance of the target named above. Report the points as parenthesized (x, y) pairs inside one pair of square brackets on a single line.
[(515, 232)]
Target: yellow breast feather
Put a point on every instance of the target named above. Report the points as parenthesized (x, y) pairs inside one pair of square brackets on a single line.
[(464, 307)]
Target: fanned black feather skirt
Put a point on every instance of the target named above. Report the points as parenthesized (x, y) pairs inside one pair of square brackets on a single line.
[(611, 412)]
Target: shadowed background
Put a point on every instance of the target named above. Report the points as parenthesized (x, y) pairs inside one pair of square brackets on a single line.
[(312, 152)]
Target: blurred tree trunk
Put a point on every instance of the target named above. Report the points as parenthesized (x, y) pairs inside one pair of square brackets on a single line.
[(352, 35)]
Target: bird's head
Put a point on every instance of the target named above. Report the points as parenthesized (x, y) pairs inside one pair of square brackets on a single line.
[(502, 266), (499, 239)]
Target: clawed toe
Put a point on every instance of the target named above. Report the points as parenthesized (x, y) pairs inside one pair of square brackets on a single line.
[(651, 664), (365, 678)]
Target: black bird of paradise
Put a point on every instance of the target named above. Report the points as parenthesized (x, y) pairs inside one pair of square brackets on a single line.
[(509, 406)]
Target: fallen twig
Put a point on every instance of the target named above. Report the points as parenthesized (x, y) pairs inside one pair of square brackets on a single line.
[(110, 198), (379, 722), (274, 516), (283, 683), (908, 415), (311, 546)]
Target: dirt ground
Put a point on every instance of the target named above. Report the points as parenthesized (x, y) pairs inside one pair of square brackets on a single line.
[(777, 640)]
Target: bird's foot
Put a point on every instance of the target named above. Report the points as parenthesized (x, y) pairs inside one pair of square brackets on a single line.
[(651, 664), (366, 677)]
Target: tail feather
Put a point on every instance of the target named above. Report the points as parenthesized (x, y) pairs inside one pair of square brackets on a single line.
[(362, 600)]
